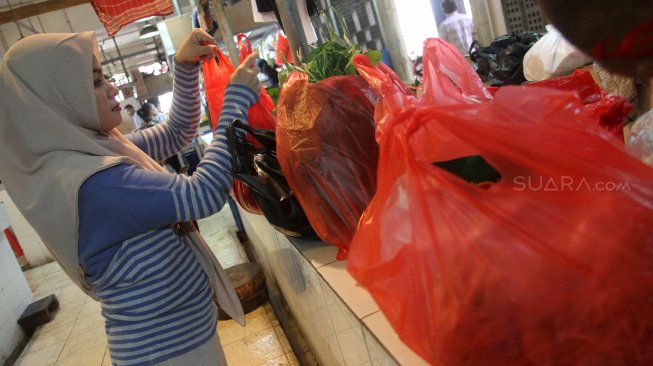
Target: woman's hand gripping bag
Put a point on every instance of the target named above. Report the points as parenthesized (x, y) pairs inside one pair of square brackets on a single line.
[(260, 114), (549, 266), (327, 151), (216, 79)]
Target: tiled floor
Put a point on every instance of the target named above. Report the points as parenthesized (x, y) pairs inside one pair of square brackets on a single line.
[(76, 334)]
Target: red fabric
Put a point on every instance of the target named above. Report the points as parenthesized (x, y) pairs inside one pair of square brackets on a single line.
[(15, 246), (115, 14), (520, 273)]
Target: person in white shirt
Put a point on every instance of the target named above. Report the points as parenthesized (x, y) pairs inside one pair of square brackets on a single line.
[(457, 29), (127, 125), (160, 116)]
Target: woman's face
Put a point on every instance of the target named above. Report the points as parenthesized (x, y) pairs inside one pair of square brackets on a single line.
[(108, 108)]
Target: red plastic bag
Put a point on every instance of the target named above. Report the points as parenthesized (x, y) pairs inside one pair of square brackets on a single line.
[(609, 110), (550, 266), (260, 115), (283, 47), (216, 79), (327, 151), (243, 196)]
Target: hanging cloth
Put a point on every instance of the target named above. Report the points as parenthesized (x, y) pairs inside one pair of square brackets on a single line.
[(115, 14)]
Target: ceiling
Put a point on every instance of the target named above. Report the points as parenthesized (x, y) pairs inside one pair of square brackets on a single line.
[(130, 48)]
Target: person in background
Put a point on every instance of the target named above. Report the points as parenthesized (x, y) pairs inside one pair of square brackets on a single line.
[(138, 121), (617, 34), (148, 114), (130, 110), (127, 125), (117, 223), (270, 72), (457, 28), (160, 116)]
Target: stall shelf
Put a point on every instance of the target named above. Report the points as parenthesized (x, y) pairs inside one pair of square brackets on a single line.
[(341, 322)]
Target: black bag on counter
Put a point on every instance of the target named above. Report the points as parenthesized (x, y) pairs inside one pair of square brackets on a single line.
[(259, 170), (501, 63)]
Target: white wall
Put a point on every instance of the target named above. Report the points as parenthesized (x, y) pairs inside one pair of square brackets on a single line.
[(35, 251), (15, 295)]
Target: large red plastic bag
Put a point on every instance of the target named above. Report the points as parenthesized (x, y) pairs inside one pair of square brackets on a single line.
[(457, 80), (327, 151), (550, 266)]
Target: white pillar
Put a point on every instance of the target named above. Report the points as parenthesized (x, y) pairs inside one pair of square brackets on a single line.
[(394, 40)]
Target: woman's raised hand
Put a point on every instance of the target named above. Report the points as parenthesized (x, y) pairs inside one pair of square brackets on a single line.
[(247, 73), (198, 45)]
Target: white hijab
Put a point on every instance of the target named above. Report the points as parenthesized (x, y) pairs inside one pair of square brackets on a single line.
[(50, 144)]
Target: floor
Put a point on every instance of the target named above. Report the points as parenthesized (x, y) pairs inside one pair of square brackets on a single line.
[(76, 336)]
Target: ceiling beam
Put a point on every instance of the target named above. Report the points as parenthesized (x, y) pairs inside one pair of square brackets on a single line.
[(129, 55), (34, 9)]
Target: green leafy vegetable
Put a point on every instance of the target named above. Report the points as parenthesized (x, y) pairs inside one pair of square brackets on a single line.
[(333, 58)]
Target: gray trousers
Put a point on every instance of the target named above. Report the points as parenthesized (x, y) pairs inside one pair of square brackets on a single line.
[(208, 354)]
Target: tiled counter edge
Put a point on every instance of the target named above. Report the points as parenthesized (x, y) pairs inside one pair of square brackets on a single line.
[(340, 320)]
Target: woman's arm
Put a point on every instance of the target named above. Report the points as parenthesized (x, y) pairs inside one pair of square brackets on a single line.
[(168, 138), (123, 201)]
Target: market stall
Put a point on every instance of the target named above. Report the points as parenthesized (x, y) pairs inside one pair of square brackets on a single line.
[(428, 263)]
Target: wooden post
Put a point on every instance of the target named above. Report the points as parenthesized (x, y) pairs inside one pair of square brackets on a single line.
[(34, 9), (225, 30), (394, 41), (292, 26)]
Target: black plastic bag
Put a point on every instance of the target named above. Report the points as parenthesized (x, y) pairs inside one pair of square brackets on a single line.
[(501, 63), (259, 170)]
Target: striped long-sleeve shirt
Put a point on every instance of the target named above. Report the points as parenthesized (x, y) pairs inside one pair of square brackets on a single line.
[(155, 298)]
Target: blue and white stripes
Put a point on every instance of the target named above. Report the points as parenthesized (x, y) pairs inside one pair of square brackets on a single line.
[(165, 140), (155, 297), (156, 300), (196, 195)]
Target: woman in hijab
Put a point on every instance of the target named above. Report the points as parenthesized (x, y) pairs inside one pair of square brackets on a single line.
[(113, 218)]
